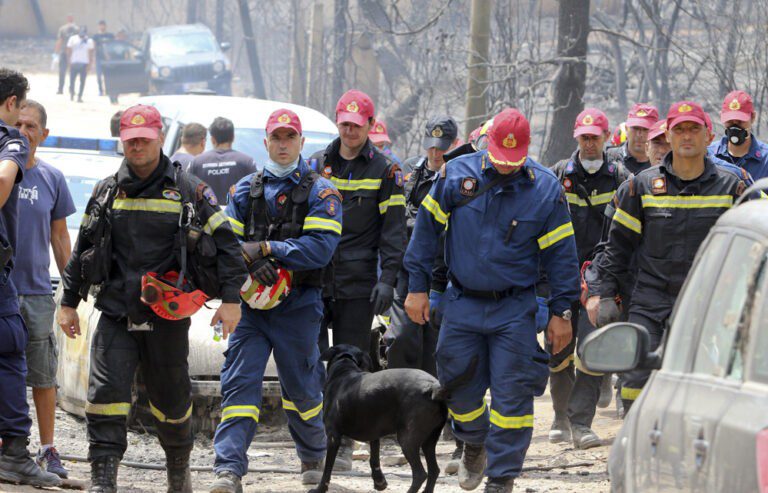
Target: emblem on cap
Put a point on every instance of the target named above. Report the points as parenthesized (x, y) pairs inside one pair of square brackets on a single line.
[(642, 113), (509, 141), (284, 118), (353, 107), (437, 132), (735, 105), (587, 120), (138, 120), (379, 128), (684, 108), (663, 126)]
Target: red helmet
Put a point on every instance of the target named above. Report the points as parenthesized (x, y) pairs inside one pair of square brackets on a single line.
[(260, 297), (619, 134), (166, 300)]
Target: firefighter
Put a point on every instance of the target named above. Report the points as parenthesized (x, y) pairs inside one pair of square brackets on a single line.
[(662, 216), (590, 182), (289, 220), (374, 231), (505, 215), (632, 152), (150, 270), (657, 146), (739, 145)]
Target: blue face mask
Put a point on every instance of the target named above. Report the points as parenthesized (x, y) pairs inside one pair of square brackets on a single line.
[(279, 170)]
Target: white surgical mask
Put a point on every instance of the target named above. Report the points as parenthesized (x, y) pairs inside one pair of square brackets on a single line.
[(279, 170), (591, 166)]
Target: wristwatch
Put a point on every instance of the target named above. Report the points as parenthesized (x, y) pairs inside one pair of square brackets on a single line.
[(565, 315)]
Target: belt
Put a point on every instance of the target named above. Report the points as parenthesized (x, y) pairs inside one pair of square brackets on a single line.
[(488, 295), (357, 254)]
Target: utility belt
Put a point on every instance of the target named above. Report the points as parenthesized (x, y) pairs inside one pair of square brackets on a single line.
[(487, 295)]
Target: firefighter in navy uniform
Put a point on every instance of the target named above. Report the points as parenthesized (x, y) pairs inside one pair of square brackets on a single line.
[(289, 219), (590, 182), (132, 244), (632, 153), (662, 216)]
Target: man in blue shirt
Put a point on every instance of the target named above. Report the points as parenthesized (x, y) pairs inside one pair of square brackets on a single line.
[(504, 216), (739, 145), (44, 204), (15, 464)]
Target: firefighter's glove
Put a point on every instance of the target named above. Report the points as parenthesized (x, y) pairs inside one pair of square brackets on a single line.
[(253, 251), (264, 271), (382, 296), (609, 312)]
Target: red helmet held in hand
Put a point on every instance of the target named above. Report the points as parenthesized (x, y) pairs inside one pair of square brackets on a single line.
[(166, 300)]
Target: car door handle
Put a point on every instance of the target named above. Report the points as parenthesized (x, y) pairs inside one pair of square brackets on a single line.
[(700, 447), (654, 435)]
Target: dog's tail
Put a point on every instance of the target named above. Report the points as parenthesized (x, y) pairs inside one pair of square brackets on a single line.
[(442, 393)]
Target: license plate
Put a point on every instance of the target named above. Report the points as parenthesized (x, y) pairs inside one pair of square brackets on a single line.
[(192, 86)]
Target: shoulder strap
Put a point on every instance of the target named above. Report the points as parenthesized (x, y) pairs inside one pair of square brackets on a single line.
[(300, 193), (256, 193)]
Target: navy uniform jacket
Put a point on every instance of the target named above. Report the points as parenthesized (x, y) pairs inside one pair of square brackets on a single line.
[(322, 226), (755, 162), (621, 155), (497, 241)]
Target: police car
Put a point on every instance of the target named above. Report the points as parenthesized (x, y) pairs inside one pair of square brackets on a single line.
[(84, 162), (701, 422)]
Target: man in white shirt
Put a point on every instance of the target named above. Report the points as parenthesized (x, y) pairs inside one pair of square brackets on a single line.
[(80, 49)]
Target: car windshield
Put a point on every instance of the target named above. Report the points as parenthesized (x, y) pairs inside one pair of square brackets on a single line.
[(81, 188), (251, 141), (183, 44)]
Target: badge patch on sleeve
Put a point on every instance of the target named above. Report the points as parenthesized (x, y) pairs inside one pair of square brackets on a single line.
[(327, 171), (468, 186), (210, 197), (399, 180), (172, 195), (659, 185), (331, 207)]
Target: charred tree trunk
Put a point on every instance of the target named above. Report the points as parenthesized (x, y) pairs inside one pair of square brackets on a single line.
[(569, 84), (250, 47)]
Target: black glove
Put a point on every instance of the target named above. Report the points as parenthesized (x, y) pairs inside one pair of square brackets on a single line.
[(382, 296), (608, 312), (264, 271), (253, 251)]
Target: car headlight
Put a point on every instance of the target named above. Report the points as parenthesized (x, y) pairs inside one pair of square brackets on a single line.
[(218, 66), (165, 72)]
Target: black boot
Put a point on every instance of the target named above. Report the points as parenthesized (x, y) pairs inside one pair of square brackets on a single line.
[(560, 386), (16, 466), (179, 477), (104, 474)]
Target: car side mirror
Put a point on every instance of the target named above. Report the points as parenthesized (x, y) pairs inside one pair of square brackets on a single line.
[(225, 45), (616, 348)]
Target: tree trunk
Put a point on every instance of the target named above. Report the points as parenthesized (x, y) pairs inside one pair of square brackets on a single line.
[(299, 65), (569, 84), (315, 88), (341, 7), (192, 11), (250, 46), (477, 76), (219, 20)]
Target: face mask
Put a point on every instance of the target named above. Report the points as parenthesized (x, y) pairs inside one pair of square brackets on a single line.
[(591, 166), (279, 170), (736, 135)]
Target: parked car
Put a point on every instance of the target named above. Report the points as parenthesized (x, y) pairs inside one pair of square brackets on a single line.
[(701, 422), (170, 60)]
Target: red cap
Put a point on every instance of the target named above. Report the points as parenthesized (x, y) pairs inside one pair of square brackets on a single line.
[(508, 138), (591, 121), (642, 115), (685, 111), (354, 106), (378, 133), (657, 129), (283, 118), (737, 105), (475, 134), (140, 121)]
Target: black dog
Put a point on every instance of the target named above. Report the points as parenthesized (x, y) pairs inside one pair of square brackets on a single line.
[(367, 406)]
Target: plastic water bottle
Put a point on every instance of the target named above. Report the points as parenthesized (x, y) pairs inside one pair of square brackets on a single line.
[(217, 331)]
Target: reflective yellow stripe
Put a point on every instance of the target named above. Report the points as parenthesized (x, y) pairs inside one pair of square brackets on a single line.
[(393, 201), (562, 366), (470, 416), (306, 415), (230, 412), (511, 422), (629, 393), (217, 219), (351, 185), (237, 226), (165, 419), (688, 201), (556, 235), (113, 409), (314, 222), (148, 205), (629, 222), (433, 207), (580, 366), (85, 219), (599, 199)]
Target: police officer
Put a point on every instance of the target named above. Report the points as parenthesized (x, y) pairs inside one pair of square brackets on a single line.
[(590, 183), (505, 215), (632, 153), (662, 215), (15, 464), (739, 145), (289, 219), (145, 302)]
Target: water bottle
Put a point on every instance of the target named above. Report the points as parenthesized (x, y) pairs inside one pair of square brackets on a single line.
[(217, 331)]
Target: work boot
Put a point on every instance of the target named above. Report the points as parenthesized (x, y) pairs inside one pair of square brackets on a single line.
[(472, 466), (584, 437), (17, 467), (51, 461), (499, 485), (226, 482), (344, 455), (606, 391), (104, 474), (179, 477), (453, 465), (560, 386), (311, 472)]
